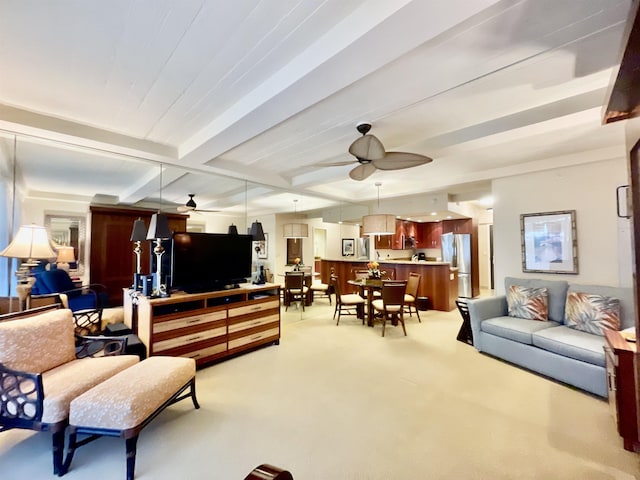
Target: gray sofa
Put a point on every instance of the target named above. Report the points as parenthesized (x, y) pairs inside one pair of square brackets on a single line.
[(550, 348)]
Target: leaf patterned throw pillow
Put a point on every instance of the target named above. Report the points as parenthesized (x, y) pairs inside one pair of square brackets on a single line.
[(592, 313), (529, 303)]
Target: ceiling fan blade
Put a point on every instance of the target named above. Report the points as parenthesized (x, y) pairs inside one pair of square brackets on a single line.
[(362, 171), (208, 211), (184, 208), (336, 164), (367, 147), (400, 160)]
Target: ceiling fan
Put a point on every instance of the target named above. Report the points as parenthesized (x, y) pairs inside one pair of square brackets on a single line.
[(191, 206), (371, 156)]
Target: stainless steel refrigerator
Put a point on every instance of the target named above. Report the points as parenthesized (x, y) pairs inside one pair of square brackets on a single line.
[(456, 249)]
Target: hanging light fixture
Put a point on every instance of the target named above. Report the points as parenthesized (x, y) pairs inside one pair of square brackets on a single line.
[(256, 232), (158, 231), (295, 230), (233, 230), (379, 223)]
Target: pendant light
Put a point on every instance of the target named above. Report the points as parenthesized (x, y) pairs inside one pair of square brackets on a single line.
[(295, 230), (379, 223)]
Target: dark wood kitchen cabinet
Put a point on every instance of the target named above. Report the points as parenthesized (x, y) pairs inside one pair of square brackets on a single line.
[(432, 231)]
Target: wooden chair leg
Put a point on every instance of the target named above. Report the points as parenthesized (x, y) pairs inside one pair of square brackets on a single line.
[(131, 456), (57, 446)]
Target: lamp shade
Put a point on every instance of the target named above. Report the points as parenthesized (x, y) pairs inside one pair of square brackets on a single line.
[(139, 232), (379, 224), (159, 227), (296, 230), (233, 230), (65, 255), (31, 241), (256, 231)]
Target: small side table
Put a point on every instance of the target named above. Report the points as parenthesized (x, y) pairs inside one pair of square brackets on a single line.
[(465, 335)]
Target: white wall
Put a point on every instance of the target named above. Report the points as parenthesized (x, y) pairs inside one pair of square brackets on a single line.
[(590, 190)]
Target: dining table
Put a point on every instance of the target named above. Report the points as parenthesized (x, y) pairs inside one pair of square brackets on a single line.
[(367, 286)]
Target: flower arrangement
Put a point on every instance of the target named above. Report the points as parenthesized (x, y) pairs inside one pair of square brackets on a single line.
[(373, 269), (297, 264)]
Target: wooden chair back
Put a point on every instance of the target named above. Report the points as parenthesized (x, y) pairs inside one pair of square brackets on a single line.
[(293, 280), (413, 284), (393, 292)]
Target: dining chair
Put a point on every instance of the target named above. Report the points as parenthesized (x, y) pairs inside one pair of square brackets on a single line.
[(322, 289), (411, 295), (348, 303), (391, 305), (294, 288)]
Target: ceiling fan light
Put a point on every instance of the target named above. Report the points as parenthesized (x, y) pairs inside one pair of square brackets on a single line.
[(379, 224), (191, 203), (295, 230)]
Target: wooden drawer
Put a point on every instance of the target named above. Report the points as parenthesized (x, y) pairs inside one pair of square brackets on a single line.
[(187, 339), (256, 337), (253, 322), (255, 307), (190, 321), (207, 352)]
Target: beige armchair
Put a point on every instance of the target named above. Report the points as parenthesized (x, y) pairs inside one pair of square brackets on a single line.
[(42, 370)]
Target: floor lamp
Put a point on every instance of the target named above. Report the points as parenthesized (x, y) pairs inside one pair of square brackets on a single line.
[(31, 243)]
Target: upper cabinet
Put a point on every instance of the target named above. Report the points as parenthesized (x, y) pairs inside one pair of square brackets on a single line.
[(459, 225), (429, 236)]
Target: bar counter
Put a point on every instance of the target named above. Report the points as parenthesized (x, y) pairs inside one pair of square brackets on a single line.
[(439, 281)]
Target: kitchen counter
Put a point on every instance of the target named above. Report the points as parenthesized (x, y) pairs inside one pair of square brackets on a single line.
[(390, 261), (439, 281)]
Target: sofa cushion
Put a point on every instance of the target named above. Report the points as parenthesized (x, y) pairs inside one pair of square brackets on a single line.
[(592, 313), (571, 343), (624, 294), (516, 329), (64, 383), (557, 291), (527, 302), (39, 343)]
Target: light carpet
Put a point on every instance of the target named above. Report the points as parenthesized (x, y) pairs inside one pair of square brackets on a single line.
[(341, 402)]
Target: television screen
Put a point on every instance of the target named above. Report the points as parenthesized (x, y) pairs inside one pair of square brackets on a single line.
[(209, 261)]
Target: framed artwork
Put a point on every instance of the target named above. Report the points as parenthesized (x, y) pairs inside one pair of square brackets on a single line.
[(549, 242), (262, 247), (348, 247)]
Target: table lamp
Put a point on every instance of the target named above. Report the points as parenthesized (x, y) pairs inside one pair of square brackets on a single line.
[(65, 257), (30, 243)]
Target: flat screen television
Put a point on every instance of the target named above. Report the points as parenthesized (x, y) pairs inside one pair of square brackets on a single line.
[(202, 262)]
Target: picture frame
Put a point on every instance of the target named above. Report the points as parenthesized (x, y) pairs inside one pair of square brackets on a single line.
[(549, 242), (348, 247), (262, 247)]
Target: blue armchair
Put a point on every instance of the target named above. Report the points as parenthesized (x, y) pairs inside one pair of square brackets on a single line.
[(50, 282)]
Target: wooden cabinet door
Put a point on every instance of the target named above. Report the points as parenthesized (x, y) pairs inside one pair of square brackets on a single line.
[(384, 241), (112, 259)]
